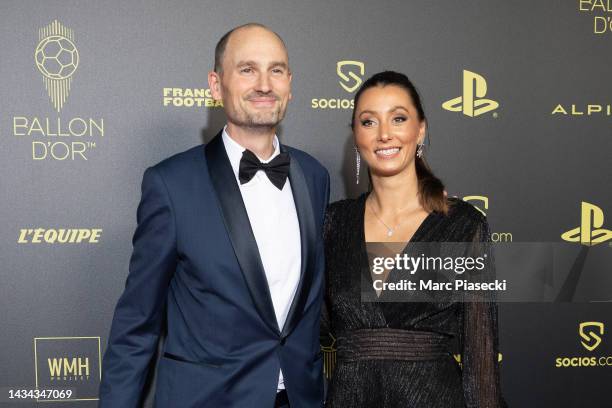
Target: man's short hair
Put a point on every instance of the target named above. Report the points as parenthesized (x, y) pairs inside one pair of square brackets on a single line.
[(222, 43)]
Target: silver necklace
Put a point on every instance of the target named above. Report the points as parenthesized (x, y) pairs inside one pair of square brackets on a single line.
[(390, 230)]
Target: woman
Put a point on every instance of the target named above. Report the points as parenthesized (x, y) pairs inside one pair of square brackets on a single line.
[(397, 354)]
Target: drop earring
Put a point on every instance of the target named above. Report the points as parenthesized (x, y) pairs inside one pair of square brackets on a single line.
[(358, 164), (419, 152)]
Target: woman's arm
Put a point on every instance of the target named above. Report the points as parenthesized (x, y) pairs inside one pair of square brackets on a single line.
[(479, 333)]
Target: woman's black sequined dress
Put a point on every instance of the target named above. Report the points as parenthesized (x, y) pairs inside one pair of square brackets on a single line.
[(397, 354)]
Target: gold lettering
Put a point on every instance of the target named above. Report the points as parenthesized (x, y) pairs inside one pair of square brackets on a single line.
[(59, 127), (599, 28), (36, 127), (575, 112), (54, 367), (95, 235), (83, 234), (559, 109), (99, 126), (79, 151), (50, 236), (83, 124), (83, 365), (70, 366), (15, 125), (593, 109), (47, 128), (22, 236), (585, 2), (38, 233), (598, 4)]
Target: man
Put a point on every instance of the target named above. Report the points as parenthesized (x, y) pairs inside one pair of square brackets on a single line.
[(228, 246)]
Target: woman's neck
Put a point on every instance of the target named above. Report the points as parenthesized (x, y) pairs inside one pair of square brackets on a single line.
[(392, 194)]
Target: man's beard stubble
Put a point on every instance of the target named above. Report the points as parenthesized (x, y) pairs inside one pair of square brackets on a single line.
[(262, 121)]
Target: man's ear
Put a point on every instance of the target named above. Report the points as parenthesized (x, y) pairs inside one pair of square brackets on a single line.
[(214, 83)]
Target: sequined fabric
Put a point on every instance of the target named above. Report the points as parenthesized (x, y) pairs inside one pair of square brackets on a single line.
[(384, 382)]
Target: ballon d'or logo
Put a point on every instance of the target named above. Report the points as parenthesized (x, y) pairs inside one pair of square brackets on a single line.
[(57, 59)]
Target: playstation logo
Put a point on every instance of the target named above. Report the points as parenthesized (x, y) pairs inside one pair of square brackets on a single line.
[(589, 232), (472, 102)]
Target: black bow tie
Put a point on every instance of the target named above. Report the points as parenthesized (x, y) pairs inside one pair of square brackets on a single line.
[(276, 170)]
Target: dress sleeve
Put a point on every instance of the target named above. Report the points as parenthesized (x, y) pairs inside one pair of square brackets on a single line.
[(479, 333), (327, 339)]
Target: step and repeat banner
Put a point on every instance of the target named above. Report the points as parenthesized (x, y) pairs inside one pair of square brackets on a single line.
[(519, 103)]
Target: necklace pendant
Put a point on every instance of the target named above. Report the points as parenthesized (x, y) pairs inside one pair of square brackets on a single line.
[(389, 232)]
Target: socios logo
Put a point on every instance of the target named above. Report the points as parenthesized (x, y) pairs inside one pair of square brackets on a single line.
[(591, 337), (57, 58), (589, 232), (351, 75), (591, 333), (482, 199), (345, 71), (472, 102), (481, 203)]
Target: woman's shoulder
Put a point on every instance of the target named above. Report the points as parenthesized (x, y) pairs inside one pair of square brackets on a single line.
[(457, 208), (346, 204), (465, 216), (345, 210)]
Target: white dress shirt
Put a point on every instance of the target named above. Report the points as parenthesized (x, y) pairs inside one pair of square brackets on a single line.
[(275, 224)]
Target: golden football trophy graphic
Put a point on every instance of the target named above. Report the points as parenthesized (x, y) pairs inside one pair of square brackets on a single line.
[(57, 59)]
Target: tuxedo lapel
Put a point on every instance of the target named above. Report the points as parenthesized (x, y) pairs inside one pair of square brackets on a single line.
[(239, 229), (303, 206)]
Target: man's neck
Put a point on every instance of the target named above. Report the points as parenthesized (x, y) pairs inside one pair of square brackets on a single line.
[(259, 140)]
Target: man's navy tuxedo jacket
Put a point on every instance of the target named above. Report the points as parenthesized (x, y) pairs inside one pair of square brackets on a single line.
[(195, 258)]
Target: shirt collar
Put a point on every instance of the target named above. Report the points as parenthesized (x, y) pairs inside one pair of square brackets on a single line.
[(234, 151)]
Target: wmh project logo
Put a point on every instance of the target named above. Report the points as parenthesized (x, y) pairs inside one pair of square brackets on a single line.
[(472, 102), (351, 77), (591, 337), (69, 363)]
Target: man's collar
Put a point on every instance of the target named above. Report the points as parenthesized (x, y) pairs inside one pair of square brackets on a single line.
[(234, 150)]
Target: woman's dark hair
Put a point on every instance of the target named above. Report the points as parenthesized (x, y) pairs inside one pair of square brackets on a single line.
[(431, 189)]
